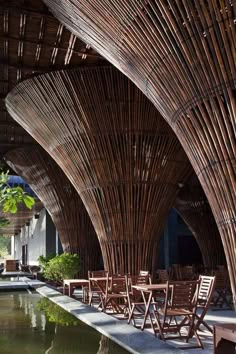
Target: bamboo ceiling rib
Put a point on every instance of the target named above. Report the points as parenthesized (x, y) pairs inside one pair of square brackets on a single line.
[(115, 148), (182, 55), (63, 203), (192, 205)]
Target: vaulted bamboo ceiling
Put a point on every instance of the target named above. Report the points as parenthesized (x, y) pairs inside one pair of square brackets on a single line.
[(32, 41), (182, 55)]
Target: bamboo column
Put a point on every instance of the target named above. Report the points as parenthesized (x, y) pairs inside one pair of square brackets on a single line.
[(63, 203), (115, 148), (182, 55), (192, 205)]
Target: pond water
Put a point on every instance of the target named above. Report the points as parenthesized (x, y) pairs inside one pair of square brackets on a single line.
[(31, 324)]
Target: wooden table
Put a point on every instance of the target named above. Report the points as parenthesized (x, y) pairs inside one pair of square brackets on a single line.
[(148, 291), (227, 333), (73, 283)]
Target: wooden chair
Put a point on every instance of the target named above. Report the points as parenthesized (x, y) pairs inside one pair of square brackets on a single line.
[(162, 276), (222, 295), (96, 289), (204, 297), (135, 301), (116, 294), (180, 301)]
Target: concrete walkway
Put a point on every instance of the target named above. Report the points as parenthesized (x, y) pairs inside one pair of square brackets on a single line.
[(127, 336)]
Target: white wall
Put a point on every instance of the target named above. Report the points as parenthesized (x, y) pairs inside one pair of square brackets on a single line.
[(35, 237)]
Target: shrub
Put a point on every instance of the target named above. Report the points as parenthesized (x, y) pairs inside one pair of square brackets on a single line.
[(64, 266)]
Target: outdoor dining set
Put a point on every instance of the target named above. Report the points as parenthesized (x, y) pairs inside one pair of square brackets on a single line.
[(171, 308)]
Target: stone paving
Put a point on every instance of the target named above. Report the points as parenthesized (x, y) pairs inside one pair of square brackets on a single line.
[(132, 339)]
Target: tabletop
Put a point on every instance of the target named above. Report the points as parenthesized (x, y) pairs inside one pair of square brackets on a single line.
[(150, 287), (75, 281)]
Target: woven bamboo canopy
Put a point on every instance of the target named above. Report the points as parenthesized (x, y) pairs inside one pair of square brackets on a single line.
[(192, 205), (63, 203), (116, 149), (32, 41), (17, 221), (182, 55)]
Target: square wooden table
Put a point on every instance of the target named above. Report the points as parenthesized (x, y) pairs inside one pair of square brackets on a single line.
[(74, 283), (227, 333), (148, 292)]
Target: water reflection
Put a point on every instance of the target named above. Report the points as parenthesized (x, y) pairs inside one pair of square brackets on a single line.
[(31, 324)]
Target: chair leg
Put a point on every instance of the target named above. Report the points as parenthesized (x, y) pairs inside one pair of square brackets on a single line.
[(193, 330)]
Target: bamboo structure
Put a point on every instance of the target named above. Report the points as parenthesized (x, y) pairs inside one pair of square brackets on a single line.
[(63, 203), (117, 151), (192, 205), (20, 219), (33, 41), (182, 55)]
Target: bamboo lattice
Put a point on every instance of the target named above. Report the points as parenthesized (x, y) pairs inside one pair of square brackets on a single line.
[(63, 203), (32, 41), (182, 55), (192, 205), (117, 151)]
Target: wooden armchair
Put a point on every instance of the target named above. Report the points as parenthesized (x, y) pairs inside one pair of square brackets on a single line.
[(180, 302)]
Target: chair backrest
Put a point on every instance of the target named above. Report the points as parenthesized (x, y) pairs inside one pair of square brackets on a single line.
[(97, 273), (206, 289), (162, 276), (222, 279), (117, 285), (186, 273), (183, 293)]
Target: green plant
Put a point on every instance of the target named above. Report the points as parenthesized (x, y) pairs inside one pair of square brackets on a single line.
[(43, 261), (56, 314), (5, 243), (10, 197), (64, 266)]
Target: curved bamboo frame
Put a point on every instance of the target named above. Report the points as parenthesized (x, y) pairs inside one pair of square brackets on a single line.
[(192, 205), (116, 149), (181, 54), (63, 203)]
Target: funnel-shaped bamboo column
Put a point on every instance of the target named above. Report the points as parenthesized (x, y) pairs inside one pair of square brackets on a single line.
[(63, 203), (192, 205), (118, 152), (182, 55)]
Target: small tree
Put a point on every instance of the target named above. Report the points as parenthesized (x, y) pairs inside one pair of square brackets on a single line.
[(64, 266)]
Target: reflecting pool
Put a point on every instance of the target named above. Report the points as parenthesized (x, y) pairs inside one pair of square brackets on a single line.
[(31, 324)]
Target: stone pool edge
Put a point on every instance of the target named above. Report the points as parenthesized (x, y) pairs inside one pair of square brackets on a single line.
[(128, 337)]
